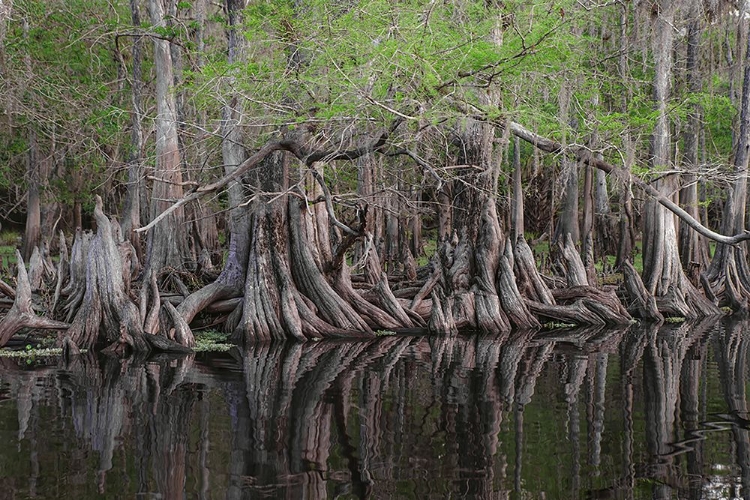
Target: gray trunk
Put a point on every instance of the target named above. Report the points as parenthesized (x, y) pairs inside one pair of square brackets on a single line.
[(517, 204), (728, 275), (233, 154), (167, 241), (662, 269), (33, 234), (693, 247), (131, 217)]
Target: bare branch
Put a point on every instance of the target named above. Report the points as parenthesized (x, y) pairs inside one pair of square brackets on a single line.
[(296, 148), (254, 160), (584, 155), (422, 163)]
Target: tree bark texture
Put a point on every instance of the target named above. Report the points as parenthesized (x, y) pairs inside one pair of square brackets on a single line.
[(233, 155), (131, 217), (663, 275), (167, 242), (728, 276)]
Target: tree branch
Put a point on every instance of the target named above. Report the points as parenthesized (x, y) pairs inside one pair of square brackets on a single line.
[(352, 154), (293, 146), (584, 155), (254, 160)]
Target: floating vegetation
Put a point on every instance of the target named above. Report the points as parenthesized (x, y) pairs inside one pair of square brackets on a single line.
[(384, 333), (212, 341), (552, 325), (32, 352)]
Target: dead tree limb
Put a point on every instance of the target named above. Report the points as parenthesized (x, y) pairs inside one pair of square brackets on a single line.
[(7, 290)]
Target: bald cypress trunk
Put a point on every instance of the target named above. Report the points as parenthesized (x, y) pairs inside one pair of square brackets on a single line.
[(729, 274), (663, 275), (33, 233), (517, 205), (131, 217), (233, 154), (167, 241), (693, 247)]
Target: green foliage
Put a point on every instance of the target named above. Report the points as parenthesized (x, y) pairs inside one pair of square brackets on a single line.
[(371, 61), (9, 238), (59, 73), (212, 341), (30, 353), (674, 320), (719, 114)]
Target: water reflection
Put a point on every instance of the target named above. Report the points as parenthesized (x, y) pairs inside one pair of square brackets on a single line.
[(637, 413)]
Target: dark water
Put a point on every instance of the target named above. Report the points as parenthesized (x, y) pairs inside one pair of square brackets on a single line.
[(638, 413)]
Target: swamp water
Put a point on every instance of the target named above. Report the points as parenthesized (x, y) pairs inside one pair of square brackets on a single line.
[(636, 413)]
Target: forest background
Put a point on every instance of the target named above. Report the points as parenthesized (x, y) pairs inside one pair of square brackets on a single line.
[(307, 169)]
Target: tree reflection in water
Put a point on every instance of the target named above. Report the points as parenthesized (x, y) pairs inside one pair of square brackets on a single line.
[(569, 414)]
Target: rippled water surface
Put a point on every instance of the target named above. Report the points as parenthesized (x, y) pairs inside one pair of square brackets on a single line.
[(637, 413)]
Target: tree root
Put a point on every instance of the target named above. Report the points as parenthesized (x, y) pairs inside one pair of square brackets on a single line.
[(641, 303)]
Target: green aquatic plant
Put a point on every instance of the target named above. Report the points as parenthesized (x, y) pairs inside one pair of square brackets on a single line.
[(212, 341), (32, 352), (553, 325), (384, 333), (674, 320)]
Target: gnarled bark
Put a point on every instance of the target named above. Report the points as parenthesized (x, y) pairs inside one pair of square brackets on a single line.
[(167, 241), (107, 314), (529, 282), (641, 303), (21, 314), (105, 307)]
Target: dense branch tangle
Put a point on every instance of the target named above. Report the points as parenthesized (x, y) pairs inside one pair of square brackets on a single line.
[(586, 156), (312, 299)]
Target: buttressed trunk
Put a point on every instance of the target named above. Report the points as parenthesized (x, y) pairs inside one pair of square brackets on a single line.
[(287, 293), (729, 274), (663, 275)]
